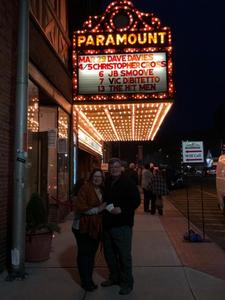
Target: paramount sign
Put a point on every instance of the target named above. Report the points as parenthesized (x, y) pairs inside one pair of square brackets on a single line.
[(146, 39)]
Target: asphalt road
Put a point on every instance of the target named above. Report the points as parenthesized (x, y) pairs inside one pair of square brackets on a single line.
[(204, 213)]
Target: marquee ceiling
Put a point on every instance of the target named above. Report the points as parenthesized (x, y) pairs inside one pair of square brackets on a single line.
[(122, 122)]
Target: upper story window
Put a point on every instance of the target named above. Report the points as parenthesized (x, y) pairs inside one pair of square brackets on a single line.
[(52, 17)]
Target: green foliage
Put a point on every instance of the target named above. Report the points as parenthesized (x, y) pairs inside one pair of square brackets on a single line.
[(37, 216)]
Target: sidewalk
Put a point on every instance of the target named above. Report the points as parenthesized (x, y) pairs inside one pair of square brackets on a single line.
[(164, 266)]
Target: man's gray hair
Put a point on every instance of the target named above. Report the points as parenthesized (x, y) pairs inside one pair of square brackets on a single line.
[(114, 160)]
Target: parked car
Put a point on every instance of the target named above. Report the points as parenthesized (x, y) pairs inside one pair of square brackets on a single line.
[(220, 182), (174, 179), (211, 171)]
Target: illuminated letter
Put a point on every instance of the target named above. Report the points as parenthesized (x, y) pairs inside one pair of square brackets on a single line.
[(162, 37), (90, 41), (132, 39), (121, 39), (100, 40), (110, 40), (142, 38), (81, 40), (152, 38)]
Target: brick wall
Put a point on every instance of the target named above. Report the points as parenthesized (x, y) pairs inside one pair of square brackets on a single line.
[(8, 38)]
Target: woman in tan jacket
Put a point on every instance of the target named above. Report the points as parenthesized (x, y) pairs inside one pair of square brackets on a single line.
[(87, 226)]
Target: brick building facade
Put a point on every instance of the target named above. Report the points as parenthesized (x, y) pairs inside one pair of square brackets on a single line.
[(8, 42)]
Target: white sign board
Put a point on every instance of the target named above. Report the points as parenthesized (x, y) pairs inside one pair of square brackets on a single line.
[(104, 167), (122, 73), (89, 142), (193, 152)]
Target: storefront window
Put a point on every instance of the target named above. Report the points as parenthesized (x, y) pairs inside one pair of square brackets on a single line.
[(48, 125), (48, 147), (42, 144)]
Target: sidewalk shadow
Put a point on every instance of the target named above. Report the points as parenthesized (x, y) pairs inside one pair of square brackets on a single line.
[(67, 261)]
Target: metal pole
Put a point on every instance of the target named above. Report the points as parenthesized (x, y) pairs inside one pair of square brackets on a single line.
[(203, 214), (20, 145), (188, 206)]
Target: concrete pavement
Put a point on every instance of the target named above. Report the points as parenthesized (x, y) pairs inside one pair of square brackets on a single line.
[(164, 266)]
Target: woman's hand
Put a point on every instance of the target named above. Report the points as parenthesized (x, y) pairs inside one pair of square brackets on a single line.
[(102, 207)]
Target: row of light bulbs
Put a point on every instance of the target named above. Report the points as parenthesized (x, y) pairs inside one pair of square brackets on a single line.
[(32, 115), (145, 122), (148, 20)]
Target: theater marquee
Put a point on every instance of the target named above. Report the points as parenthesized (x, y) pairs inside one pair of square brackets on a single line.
[(122, 79)]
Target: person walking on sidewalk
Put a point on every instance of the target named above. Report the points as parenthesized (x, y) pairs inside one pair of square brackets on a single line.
[(87, 226), (146, 186), (122, 197), (159, 189)]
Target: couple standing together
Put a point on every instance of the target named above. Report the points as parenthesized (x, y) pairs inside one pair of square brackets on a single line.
[(105, 210)]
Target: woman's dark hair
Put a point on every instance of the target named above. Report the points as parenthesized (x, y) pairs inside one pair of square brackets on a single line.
[(93, 172)]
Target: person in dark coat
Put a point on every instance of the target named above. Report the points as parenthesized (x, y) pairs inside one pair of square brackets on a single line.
[(132, 173), (122, 197), (159, 189)]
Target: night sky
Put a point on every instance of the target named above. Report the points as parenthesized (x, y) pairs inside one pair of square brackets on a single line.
[(198, 32)]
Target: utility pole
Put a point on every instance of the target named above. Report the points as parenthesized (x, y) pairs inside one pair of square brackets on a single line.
[(20, 147)]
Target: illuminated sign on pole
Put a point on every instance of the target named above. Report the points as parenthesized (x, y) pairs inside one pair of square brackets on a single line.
[(193, 152), (122, 73)]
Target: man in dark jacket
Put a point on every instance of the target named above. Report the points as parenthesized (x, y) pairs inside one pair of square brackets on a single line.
[(122, 197), (132, 173)]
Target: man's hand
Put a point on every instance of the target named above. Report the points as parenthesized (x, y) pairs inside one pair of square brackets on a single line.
[(116, 211)]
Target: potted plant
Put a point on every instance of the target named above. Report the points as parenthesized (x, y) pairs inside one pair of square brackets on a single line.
[(39, 231)]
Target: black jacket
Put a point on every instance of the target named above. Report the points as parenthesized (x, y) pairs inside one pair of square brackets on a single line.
[(124, 193), (133, 175)]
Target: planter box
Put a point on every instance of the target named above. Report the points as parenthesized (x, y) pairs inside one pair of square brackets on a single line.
[(38, 246)]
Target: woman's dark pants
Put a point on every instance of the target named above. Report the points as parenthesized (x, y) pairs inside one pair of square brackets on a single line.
[(87, 248)]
